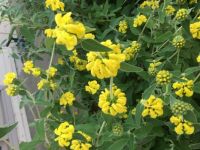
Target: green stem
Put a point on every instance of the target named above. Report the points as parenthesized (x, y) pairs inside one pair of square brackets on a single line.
[(51, 59), (178, 55), (100, 131), (9, 145), (111, 88), (197, 77)]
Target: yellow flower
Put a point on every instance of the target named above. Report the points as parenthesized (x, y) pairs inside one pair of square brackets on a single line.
[(55, 4), (198, 58), (42, 83), (78, 145), (11, 90), (67, 99), (123, 26), (154, 4), (163, 77), (130, 52), (195, 30), (105, 64), (169, 10), (182, 126), (153, 67), (153, 107), (178, 41), (62, 21), (182, 14), (139, 20), (61, 61), (51, 72), (87, 137), (89, 36), (28, 66), (112, 104), (36, 72), (65, 133), (76, 28), (9, 78), (92, 87), (52, 85), (184, 88), (49, 32)]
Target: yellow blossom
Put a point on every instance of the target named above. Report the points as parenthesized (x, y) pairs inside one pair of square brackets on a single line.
[(154, 4), (54, 4), (89, 36), (61, 61), (78, 145), (169, 10), (153, 67), (42, 83), (130, 52), (28, 66), (105, 64), (139, 20), (112, 104), (67, 99), (92, 87), (198, 58), (184, 88), (153, 107), (51, 72), (65, 133), (36, 72), (87, 137), (123, 26), (11, 90), (182, 14), (163, 77), (9, 78), (182, 126), (195, 30)]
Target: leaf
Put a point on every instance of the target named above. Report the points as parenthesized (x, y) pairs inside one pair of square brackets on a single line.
[(195, 146), (138, 115), (191, 70), (190, 116), (149, 91), (125, 67), (93, 45), (118, 145), (163, 37), (49, 43), (6, 130)]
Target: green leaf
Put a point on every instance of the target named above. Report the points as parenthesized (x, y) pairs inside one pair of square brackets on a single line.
[(163, 37), (191, 70), (118, 145), (125, 67), (93, 45), (6, 130), (49, 43), (138, 115), (149, 91), (195, 146)]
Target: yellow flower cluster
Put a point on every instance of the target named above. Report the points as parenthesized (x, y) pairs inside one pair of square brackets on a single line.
[(153, 107), (92, 87), (51, 72), (130, 52), (45, 83), (55, 4), (65, 133), (105, 64), (117, 129), (61, 61), (198, 58), (79, 64), (163, 77), (67, 31), (11, 90), (154, 4), (195, 30), (181, 108), (67, 99), (182, 14), (8, 80), (178, 41), (139, 20), (152, 70), (29, 68), (184, 88), (78, 145), (112, 102), (169, 10), (182, 126), (86, 136), (89, 36), (123, 26)]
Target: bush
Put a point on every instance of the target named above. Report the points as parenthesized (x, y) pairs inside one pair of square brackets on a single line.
[(127, 74)]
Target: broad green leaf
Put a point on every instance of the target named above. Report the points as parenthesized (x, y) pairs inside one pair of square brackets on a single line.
[(195, 146), (6, 130), (118, 145), (138, 114), (149, 91), (29, 145), (191, 70), (164, 37), (190, 116), (93, 45), (125, 67), (49, 43)]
